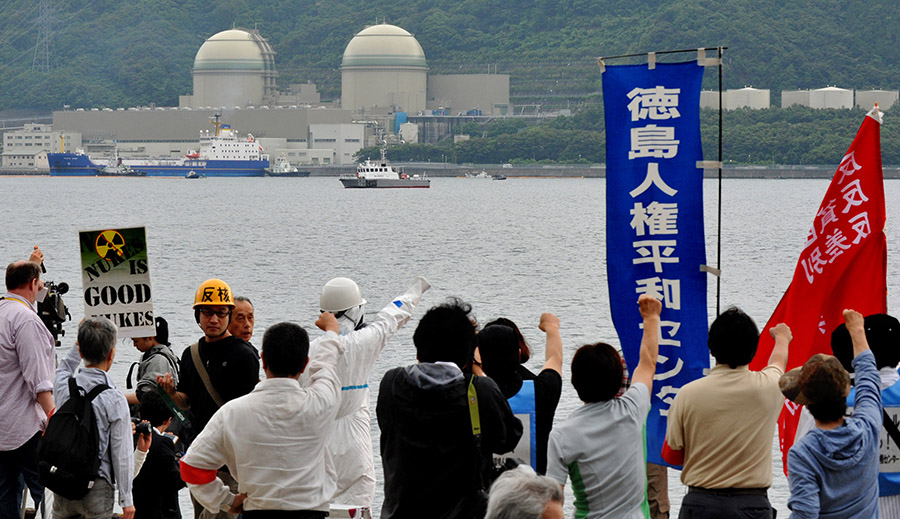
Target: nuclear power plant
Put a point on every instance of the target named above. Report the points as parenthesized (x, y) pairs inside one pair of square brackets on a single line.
[(387, 96)]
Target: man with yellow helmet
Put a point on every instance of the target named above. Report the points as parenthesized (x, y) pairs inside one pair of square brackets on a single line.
[(218, 368)]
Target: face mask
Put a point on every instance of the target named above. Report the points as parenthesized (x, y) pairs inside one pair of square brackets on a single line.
[(350, 320), (42, 293)]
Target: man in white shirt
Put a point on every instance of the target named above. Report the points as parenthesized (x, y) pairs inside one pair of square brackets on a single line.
[(273, 439)]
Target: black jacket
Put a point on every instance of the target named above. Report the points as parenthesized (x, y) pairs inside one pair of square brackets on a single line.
[(157, 484), (427, 448)]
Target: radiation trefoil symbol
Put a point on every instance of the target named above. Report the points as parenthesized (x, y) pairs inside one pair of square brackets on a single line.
[(109, 242)]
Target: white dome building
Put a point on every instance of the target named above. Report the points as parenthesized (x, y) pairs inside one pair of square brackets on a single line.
[(384, 70), (234, 68)]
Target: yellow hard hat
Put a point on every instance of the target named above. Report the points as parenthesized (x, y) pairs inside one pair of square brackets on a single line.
[(213, 292)]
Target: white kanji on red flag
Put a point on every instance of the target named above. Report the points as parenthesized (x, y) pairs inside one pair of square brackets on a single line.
[(842, 265)]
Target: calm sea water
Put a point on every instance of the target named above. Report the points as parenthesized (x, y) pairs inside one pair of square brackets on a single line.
[(515, 249)]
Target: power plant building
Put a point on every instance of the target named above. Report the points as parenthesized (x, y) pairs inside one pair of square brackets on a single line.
[(732, 99), (384, 76), (383, 70), (233, 68), (831, 97), (828, 97), (866, 99), (478, 94), (173, 132)]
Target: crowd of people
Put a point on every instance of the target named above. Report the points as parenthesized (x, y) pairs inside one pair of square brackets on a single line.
[(467, 431)]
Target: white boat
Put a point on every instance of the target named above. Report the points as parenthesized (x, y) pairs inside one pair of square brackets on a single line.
[(483, 174), (115, 168), (381, 174), (283, 168)]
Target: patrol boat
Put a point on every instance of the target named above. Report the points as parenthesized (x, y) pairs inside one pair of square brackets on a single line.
[(380, 174)]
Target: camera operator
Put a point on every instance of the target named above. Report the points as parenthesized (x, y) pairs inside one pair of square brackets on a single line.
[(157, 483), (27, 368)]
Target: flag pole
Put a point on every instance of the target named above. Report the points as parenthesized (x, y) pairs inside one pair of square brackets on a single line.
[(719, 219)]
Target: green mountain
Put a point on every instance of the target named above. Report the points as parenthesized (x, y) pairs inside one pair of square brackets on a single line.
[(120, 53), (129, 52)]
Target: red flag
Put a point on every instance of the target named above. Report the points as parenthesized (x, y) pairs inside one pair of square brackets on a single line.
[(843, 264)]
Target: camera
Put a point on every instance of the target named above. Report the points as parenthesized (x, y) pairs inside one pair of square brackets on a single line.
[(141, 427), (52, 310)]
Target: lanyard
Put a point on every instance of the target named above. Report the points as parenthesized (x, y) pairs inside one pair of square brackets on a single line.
[(16, 300)]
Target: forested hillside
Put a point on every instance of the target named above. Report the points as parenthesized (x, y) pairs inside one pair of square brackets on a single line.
[(129, 52), (119, 53), (796, 135)]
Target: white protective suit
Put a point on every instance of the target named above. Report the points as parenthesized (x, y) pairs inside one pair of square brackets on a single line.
[(350, 442)]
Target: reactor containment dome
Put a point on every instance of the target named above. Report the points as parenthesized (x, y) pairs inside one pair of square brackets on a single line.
[(234, 68), (384, 69)]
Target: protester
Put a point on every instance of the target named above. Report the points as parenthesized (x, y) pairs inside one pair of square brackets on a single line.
[(600, 446), (96, 345), (657, 475), (833, 470), (274, 438), (27, 362), (883, 336), (436, 447), (157, 359), (521, 494), (157, 484), (720, 427), (350, 441), (499, 348), (242, 319), (216, 369)]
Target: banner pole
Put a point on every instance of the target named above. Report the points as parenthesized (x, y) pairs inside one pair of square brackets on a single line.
[(719, 219)]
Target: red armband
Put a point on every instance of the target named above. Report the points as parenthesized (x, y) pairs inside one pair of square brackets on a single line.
[(196, 476), (672, 456)]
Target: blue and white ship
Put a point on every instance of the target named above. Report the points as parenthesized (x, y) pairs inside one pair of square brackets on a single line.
[(222, 154)]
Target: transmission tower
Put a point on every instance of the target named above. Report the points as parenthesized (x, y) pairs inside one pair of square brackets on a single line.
[(44, 24)]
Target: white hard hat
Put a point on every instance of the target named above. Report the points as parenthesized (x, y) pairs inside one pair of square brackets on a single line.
[(340, 294)]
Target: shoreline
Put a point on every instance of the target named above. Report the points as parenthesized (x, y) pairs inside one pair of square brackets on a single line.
[(548, 171)]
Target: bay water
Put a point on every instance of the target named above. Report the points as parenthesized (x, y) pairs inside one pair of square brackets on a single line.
[(512, 248)]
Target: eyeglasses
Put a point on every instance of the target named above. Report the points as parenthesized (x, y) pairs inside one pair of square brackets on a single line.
[(209, 312)]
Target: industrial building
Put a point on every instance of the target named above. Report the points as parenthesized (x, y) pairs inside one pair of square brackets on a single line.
[(828, 97), (27, 148), (866, 99), (732, 99), (384, 77)]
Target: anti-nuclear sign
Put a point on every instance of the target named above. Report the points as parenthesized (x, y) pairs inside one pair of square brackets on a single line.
[(116, 279)]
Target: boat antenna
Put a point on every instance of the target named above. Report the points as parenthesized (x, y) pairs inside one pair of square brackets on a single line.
[(216, 123)]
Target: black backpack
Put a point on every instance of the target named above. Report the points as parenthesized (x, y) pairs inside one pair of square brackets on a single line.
[(68, 452)]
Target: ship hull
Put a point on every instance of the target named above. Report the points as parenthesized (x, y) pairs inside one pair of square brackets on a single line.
[(74, 165), (384, 183), (242, 168)]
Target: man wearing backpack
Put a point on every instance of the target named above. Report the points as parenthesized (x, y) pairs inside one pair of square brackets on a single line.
[(96, 345), (27, 360)]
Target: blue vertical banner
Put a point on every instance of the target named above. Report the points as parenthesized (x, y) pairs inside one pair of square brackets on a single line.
[(654, 222)]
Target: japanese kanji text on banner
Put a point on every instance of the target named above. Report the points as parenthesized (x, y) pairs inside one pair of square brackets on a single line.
[(843, 264), (116, 279), (654, 222)]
